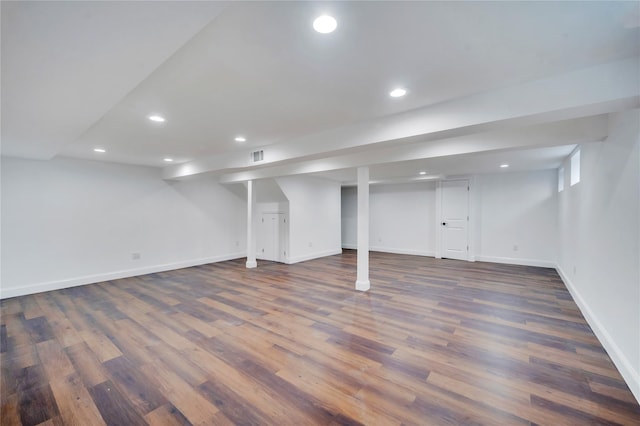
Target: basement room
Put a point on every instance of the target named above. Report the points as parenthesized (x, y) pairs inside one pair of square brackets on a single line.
[(320, 213)]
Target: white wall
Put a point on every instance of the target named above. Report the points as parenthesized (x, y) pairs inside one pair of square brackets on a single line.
[(349, 213), (314, 217), (599, 252), (401, 218), (68, 222), (516, 218), (512, 209), (268, 191)]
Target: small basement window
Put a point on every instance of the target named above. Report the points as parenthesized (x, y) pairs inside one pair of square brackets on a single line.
[(575, 168)]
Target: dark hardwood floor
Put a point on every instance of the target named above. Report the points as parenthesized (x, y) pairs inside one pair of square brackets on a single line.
[(433, 342)]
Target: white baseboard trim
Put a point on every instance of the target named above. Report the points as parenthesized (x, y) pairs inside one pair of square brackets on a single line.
[(624, 365), (516, 261), (396, 250), (393, 250), (6, 293), (312, 256)]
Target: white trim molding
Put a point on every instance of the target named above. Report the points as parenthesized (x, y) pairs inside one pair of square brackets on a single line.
[(624, 364), (516, 261), (312, 256), (396, 250)]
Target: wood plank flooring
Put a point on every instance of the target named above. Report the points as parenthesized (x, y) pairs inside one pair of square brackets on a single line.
[(434, 342)]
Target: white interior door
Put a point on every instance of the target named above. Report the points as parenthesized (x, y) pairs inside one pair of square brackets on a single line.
[(455, 219), (271, 245)]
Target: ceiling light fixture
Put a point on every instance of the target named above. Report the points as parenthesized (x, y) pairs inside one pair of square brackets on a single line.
[(325, 24), (423, 173), (504, 166), (240, 139), (397, 93), (157, 118), (168, 160), (100, 150)]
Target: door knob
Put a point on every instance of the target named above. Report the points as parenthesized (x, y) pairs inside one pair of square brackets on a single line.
[(444, 223)]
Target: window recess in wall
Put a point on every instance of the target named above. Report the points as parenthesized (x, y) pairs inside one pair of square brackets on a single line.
[(575, 168), (560, 179)]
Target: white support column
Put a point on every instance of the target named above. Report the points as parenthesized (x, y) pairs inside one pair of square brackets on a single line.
[(362, 280), (251, 237)]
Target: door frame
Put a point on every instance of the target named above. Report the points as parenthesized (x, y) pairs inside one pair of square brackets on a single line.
[(473, 216)]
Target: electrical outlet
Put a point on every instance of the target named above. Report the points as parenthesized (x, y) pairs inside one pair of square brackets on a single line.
[(135, 256), (515, 247), (237, 243)]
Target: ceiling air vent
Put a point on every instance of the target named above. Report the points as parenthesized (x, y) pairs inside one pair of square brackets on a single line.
[(257, 156)]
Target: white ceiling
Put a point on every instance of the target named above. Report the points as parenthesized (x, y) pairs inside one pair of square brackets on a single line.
[(66, 64), (79, 75)]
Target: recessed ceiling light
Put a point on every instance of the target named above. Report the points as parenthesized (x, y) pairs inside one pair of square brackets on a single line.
[(100, 150), (423, 173), (168, 160), (157, 118), (325, 24), (396, 93), (240, 139), (504, 166)]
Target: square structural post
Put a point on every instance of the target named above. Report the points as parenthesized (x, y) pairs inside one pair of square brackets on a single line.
[(251, 237), (362, 279)]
